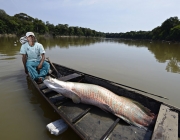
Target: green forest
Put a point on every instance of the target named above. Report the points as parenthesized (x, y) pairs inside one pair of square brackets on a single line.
[(168, 31), (20, 23)]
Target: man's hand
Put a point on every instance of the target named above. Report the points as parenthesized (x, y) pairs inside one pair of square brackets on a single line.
[(39, 66)]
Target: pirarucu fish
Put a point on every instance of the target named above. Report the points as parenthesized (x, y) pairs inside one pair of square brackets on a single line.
[(130, 111)]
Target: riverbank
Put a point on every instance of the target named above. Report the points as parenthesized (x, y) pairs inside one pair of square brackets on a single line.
[(8, 35), (45, 36)]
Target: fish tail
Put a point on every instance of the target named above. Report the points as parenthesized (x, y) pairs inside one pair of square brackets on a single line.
[(154, 118), (147, 119), (151, 117)]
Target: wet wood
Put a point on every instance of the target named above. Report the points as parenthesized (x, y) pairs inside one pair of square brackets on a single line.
[(105, 136), (46, 91), (70, 77), (74, 120), (166, 127)]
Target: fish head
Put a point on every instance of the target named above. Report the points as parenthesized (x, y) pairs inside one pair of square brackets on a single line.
[(58, 86), (50, 83)]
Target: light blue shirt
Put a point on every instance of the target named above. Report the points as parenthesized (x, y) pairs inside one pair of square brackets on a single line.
[(34, 52)]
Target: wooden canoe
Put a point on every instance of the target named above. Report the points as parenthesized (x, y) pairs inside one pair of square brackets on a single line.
[(92, 123)]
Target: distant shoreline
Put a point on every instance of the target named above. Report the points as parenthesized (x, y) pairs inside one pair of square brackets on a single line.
[(45, 36), (8, 35), (64, 36)]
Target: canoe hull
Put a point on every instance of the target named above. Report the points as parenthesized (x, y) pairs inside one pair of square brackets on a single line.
[(90, 122)]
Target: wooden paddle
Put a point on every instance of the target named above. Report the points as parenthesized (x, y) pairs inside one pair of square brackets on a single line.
[(58, 74)]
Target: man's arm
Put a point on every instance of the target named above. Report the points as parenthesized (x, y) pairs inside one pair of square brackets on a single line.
[(24, 59), (41, 62)]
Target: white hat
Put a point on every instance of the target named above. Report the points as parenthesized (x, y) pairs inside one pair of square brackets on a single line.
[(29, 33)]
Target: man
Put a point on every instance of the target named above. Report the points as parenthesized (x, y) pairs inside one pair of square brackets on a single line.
[(33, 56)]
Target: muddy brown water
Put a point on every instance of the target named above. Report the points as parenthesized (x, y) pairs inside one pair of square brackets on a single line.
[(150, 66)]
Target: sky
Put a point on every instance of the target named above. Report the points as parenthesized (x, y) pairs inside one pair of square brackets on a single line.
[(113, 16)]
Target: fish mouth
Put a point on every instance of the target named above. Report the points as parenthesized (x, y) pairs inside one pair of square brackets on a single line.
[(50, 83), (48, 78)]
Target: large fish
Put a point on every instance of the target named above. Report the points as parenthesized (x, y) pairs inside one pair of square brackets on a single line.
[(130, 111)]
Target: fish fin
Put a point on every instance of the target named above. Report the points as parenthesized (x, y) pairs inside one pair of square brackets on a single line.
[(75, 98), (125, 119), (130, 122), (106, 108)]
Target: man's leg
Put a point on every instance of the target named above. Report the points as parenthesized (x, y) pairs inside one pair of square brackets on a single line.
[(31, 67), (45, 69)]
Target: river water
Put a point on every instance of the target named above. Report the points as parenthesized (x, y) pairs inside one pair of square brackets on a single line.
[(153, 67)]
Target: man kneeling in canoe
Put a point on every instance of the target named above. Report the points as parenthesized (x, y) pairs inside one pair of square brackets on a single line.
[(33, 56)]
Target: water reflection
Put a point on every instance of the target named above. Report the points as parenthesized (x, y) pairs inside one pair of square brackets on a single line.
[(7, 47), (69, 42), (164, 52)]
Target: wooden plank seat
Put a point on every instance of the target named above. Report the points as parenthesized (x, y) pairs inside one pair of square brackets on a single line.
[(64, 78), (166, 127)]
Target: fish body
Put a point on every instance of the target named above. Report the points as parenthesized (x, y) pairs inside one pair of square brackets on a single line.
[(130, 111)]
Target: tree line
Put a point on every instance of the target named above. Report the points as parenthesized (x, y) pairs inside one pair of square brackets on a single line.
[(21, 23), (168, 31)]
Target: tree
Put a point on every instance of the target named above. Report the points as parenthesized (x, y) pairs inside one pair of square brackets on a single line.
[(78, 31), (3, 13), (71, 31), (166, 27), (175, 33), (170, 23), (3, 27), (51, 27), (39, 26), (23, 16)]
